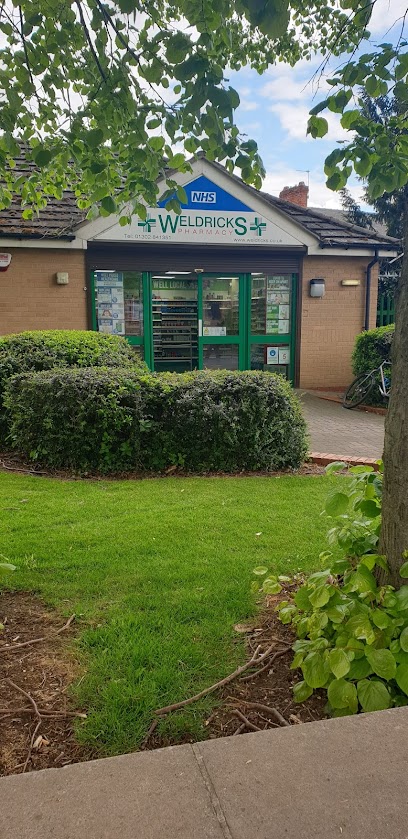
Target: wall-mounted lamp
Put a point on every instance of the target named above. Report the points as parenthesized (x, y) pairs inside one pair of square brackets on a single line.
[(62, 278), (350, 282), (317, 288)]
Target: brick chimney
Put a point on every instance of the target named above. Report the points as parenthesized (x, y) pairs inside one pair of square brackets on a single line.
[(296, 194)]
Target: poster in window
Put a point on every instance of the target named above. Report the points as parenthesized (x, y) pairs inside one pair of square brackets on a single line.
[(110, 302)]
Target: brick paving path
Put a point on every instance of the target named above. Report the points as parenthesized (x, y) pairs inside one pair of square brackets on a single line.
[(345, 433)]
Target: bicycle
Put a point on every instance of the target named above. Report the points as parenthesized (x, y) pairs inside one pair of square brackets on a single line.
[(365, 383)]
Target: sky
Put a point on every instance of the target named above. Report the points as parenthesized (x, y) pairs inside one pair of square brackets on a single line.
[(274, 112)]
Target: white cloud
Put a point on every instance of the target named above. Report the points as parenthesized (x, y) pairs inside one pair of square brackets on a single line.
[(286, 87), (294, 118), (385, 15), (246, 105), (280, 175)]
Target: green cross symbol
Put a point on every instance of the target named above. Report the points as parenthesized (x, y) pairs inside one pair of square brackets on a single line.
[(148, 224), (258, 226)]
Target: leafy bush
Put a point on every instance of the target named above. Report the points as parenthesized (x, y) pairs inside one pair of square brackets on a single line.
[(111, 420), (352, 631), (43, 350), (371, 349)]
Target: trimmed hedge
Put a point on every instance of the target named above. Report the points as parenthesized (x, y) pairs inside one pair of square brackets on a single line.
[(370, 350), (118, 420), (43, 350)]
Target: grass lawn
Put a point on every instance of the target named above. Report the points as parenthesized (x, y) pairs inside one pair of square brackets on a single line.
[(158, 571)]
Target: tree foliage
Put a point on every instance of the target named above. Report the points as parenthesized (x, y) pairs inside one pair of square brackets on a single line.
[(107, 94)]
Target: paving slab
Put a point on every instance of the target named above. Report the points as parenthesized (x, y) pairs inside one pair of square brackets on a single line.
[(149, 795), (348, 433), (335, 779)]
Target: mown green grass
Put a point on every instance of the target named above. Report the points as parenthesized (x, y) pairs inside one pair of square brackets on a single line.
[(158, 572)]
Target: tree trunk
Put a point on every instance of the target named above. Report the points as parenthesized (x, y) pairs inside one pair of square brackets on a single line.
[(394, 530)]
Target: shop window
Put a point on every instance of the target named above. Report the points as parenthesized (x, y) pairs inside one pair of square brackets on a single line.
[(271, 304), (220, 357), (133, 299), (271, 359), (220, 305)]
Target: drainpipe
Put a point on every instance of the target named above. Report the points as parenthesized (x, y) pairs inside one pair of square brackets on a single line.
[(370, 266)]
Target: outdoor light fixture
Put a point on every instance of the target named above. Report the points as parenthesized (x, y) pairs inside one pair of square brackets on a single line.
[(317, 288), (5, 259)]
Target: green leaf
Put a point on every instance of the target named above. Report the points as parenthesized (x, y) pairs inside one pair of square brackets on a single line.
[(182, 195), (316, 670), (337, 613), (350, 119), (94, 138), (370, 509), (271, 586), (360, 668), (339, 664), (402, 597), (302, 599), (342, 694), (403, 639), (260, 570), (336, 504), (404, 570), (382, 662), (359, 625), (373, 695), (108, 204), (401, 677), (176, 161), (7, 567), (42, 156), (338, 465), (286, 614), (317, 126), (380, 618), (318, 108), (302, 691), (320, 596)]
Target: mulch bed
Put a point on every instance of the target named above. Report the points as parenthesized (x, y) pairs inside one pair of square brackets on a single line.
[(12, 462), (44, 671), (36, 678)]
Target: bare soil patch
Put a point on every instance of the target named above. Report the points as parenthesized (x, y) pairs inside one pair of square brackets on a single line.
[(13, 462), (44, 671)]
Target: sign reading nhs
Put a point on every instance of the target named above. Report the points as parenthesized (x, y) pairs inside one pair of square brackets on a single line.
[(203, 197), (204, 194)]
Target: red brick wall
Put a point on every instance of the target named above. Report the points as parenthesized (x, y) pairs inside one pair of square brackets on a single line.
[(30, 297), (330, 325)]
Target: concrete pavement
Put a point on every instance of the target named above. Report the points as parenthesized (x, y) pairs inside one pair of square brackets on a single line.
[(347, 433), (336, 779)]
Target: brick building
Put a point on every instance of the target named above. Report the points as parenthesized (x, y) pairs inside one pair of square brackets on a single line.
[(240, 279)]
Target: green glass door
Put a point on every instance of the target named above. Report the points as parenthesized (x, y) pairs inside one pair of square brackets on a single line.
[(271, 323), (221, 321)]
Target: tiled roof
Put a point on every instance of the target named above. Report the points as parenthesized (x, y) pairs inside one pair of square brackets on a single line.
[(61, 218), (58, 220)]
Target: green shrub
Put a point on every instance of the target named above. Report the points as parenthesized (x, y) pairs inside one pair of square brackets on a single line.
[(113, 420), (43, 350), (371, 349), (352, 631)]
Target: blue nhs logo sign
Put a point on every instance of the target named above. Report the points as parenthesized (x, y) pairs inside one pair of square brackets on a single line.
[(198, 197)]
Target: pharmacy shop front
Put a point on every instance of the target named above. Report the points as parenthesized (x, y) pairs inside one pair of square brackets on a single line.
[(215, 286), (181, 319)]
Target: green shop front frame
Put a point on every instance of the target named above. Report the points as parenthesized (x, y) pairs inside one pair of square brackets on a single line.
[(237, 320)]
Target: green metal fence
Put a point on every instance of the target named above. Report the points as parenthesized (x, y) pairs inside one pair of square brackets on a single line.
[(385, 309)]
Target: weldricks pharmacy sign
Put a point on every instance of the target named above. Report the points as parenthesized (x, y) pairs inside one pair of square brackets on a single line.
[(208, 226), (211, 215)]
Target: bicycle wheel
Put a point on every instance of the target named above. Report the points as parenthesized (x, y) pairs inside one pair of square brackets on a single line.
[(358, 390)]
